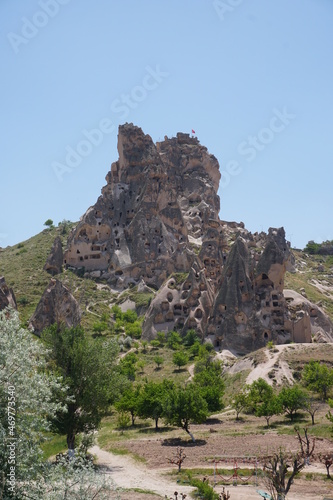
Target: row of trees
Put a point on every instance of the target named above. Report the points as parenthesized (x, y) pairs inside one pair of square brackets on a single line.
[(262, 400), (176, 404)]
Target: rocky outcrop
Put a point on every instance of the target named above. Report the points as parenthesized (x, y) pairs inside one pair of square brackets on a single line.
[(53, 264), (159, 204), (308, 318), (250, 309), (57, 305), (156, 225), (7, 297), (181, 304)]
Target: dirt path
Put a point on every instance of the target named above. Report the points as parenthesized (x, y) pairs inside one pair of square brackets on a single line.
[(273, 363), (191, 372), (127, 473)]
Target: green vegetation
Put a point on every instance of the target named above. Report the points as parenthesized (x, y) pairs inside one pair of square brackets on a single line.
[(49, 223), (89, 370), (180, 358), (324, 248), (318, 378)]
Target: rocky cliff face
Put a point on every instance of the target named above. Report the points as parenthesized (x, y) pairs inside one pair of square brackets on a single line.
[(157, 220), (57, 305), (7, 297), (159, 204), (53, 264)]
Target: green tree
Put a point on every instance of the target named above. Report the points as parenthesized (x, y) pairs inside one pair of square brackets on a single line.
[(155, 344), (312, 247), (89, 369), (211, 385), (123, 420), (159, 361), (318, 378), (292, 399), (191, 337), (140, 365), (150, 404), (161, 337), (127, 365), (180, 359), (262, 401), (258, 391), (270, 406), (26, 402), (49, 223), (117, 312), (130, 316), (240, 402), (173, 340), (129, 402), (184, 405)]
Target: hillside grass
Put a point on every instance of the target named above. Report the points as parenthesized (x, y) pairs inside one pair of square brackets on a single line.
[(308, 270)]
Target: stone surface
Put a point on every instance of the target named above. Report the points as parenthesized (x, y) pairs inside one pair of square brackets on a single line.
[(316, 322), (57, 305), (156, 226), (159, 203), (7, 297), (53, 264)]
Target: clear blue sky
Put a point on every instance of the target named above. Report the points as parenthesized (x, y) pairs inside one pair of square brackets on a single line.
[(254, 79)]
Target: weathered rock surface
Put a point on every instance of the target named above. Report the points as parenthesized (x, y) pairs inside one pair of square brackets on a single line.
[(157, 205), (156, 224), (57, 305), (54, 261), (7, 297), (308, 316)]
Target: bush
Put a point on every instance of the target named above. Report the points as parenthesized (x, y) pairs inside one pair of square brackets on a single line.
[(190, 337), (173, 340), (204, 490)]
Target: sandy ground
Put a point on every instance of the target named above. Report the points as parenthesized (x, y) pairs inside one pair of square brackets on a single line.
[(151, 475), (127, 473), (282, 369)]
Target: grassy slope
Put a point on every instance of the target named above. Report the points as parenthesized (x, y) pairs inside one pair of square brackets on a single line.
[(22, 267), (308, 271)]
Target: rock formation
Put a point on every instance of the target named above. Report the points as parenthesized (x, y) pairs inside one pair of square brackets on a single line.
[(7, 297), (159, 204), (307, 317), (57, 305), (53, 264), (157, 224)]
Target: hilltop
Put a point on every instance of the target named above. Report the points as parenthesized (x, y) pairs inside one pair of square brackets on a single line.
[(154, 239)]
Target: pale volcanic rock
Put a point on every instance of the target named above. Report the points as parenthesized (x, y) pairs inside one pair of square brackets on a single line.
[(57, 305), (53, 264), (7, 297), (155, 197), (156, 226)]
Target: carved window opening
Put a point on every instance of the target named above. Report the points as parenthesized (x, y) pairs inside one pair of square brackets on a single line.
[(198, 313)]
